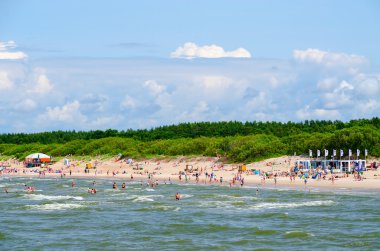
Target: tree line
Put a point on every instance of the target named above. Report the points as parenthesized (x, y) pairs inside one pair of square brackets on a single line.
[(193, 130), (234, 141)]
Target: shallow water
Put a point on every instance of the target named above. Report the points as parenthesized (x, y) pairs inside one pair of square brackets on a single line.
[(59, 217)]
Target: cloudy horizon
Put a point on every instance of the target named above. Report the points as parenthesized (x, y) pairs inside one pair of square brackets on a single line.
[(47, 82)]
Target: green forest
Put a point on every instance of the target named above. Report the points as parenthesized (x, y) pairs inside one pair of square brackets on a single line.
[(235, 141)]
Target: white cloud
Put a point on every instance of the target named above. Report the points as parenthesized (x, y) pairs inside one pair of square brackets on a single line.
[(94, 102), (368, 106), (197, 113), (369, 87), (41, 83), (154, 87), (213, 85), (26, 105), (106, 121), (318, 113), (191, 50), (68, 113), (128, 103), (5, 82), (160, 92), (6, 54), (328, 58)]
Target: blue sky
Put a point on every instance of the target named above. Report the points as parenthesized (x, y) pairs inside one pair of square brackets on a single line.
[(139, 64)]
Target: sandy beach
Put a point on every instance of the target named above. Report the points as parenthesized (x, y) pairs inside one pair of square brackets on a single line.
[(173, 170)]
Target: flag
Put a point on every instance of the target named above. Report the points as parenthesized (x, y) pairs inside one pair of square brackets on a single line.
[(365, 152), (318, 153), (326, 152), (334, 152), (311, 153), (349, 152), (341, 153), (357, 153)]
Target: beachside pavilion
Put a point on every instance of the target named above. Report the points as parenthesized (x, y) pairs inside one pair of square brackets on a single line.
[(37, 159), (336, 165)]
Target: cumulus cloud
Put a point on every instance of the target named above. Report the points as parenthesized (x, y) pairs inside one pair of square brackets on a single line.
[(328, 58), (317, 113), (160, 92), (128, 102), (94, 102), (154, 87), (41, 83), (26, 105), (7, 53), (5, 82), (68, 113), (191, 50)]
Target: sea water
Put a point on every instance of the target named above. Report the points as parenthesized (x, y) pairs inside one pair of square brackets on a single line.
[(59, 217)]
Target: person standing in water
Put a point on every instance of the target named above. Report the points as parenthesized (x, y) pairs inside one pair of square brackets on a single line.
[(177, 196), (114, 186)]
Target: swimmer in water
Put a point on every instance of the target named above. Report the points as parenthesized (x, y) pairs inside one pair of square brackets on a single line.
[(6, 189), (123, 185), (177, 196), (114, 186)]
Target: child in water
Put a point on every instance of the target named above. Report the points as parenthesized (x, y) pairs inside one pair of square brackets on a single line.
[(177, 196)]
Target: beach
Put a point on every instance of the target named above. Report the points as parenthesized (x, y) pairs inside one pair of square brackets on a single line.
[(184, 170)]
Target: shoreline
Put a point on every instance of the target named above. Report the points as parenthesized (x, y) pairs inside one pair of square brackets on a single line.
[(298, 185), (163, 170)]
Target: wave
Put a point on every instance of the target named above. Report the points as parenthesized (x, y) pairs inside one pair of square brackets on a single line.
[(142, 199), (55, 206), (297, 234), (293, 205), (185, 196), (52, 197)]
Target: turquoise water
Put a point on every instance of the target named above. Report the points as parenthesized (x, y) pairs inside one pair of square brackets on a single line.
[(59, 217)]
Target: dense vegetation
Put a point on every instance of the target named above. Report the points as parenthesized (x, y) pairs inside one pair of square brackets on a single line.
[(238, 142)]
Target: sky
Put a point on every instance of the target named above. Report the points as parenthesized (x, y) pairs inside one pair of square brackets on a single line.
[(89, 65)]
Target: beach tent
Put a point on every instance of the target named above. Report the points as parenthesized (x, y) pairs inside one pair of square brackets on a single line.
[(41, 157)]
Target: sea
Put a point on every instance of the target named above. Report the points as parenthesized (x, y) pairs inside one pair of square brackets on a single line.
[(58, 216)]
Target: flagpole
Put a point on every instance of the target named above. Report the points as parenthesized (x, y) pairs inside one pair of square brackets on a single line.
[(340, 160), (349, 160)]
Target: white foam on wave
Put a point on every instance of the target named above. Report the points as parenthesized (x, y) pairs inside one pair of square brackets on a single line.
[(142, 199), (185, 196), (299, 232), (52, 197), (293, 204), (238, 197), (150, 190), (216, 204), (55, 206)]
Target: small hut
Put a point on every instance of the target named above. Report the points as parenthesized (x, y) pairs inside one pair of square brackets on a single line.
[(37, 159)]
